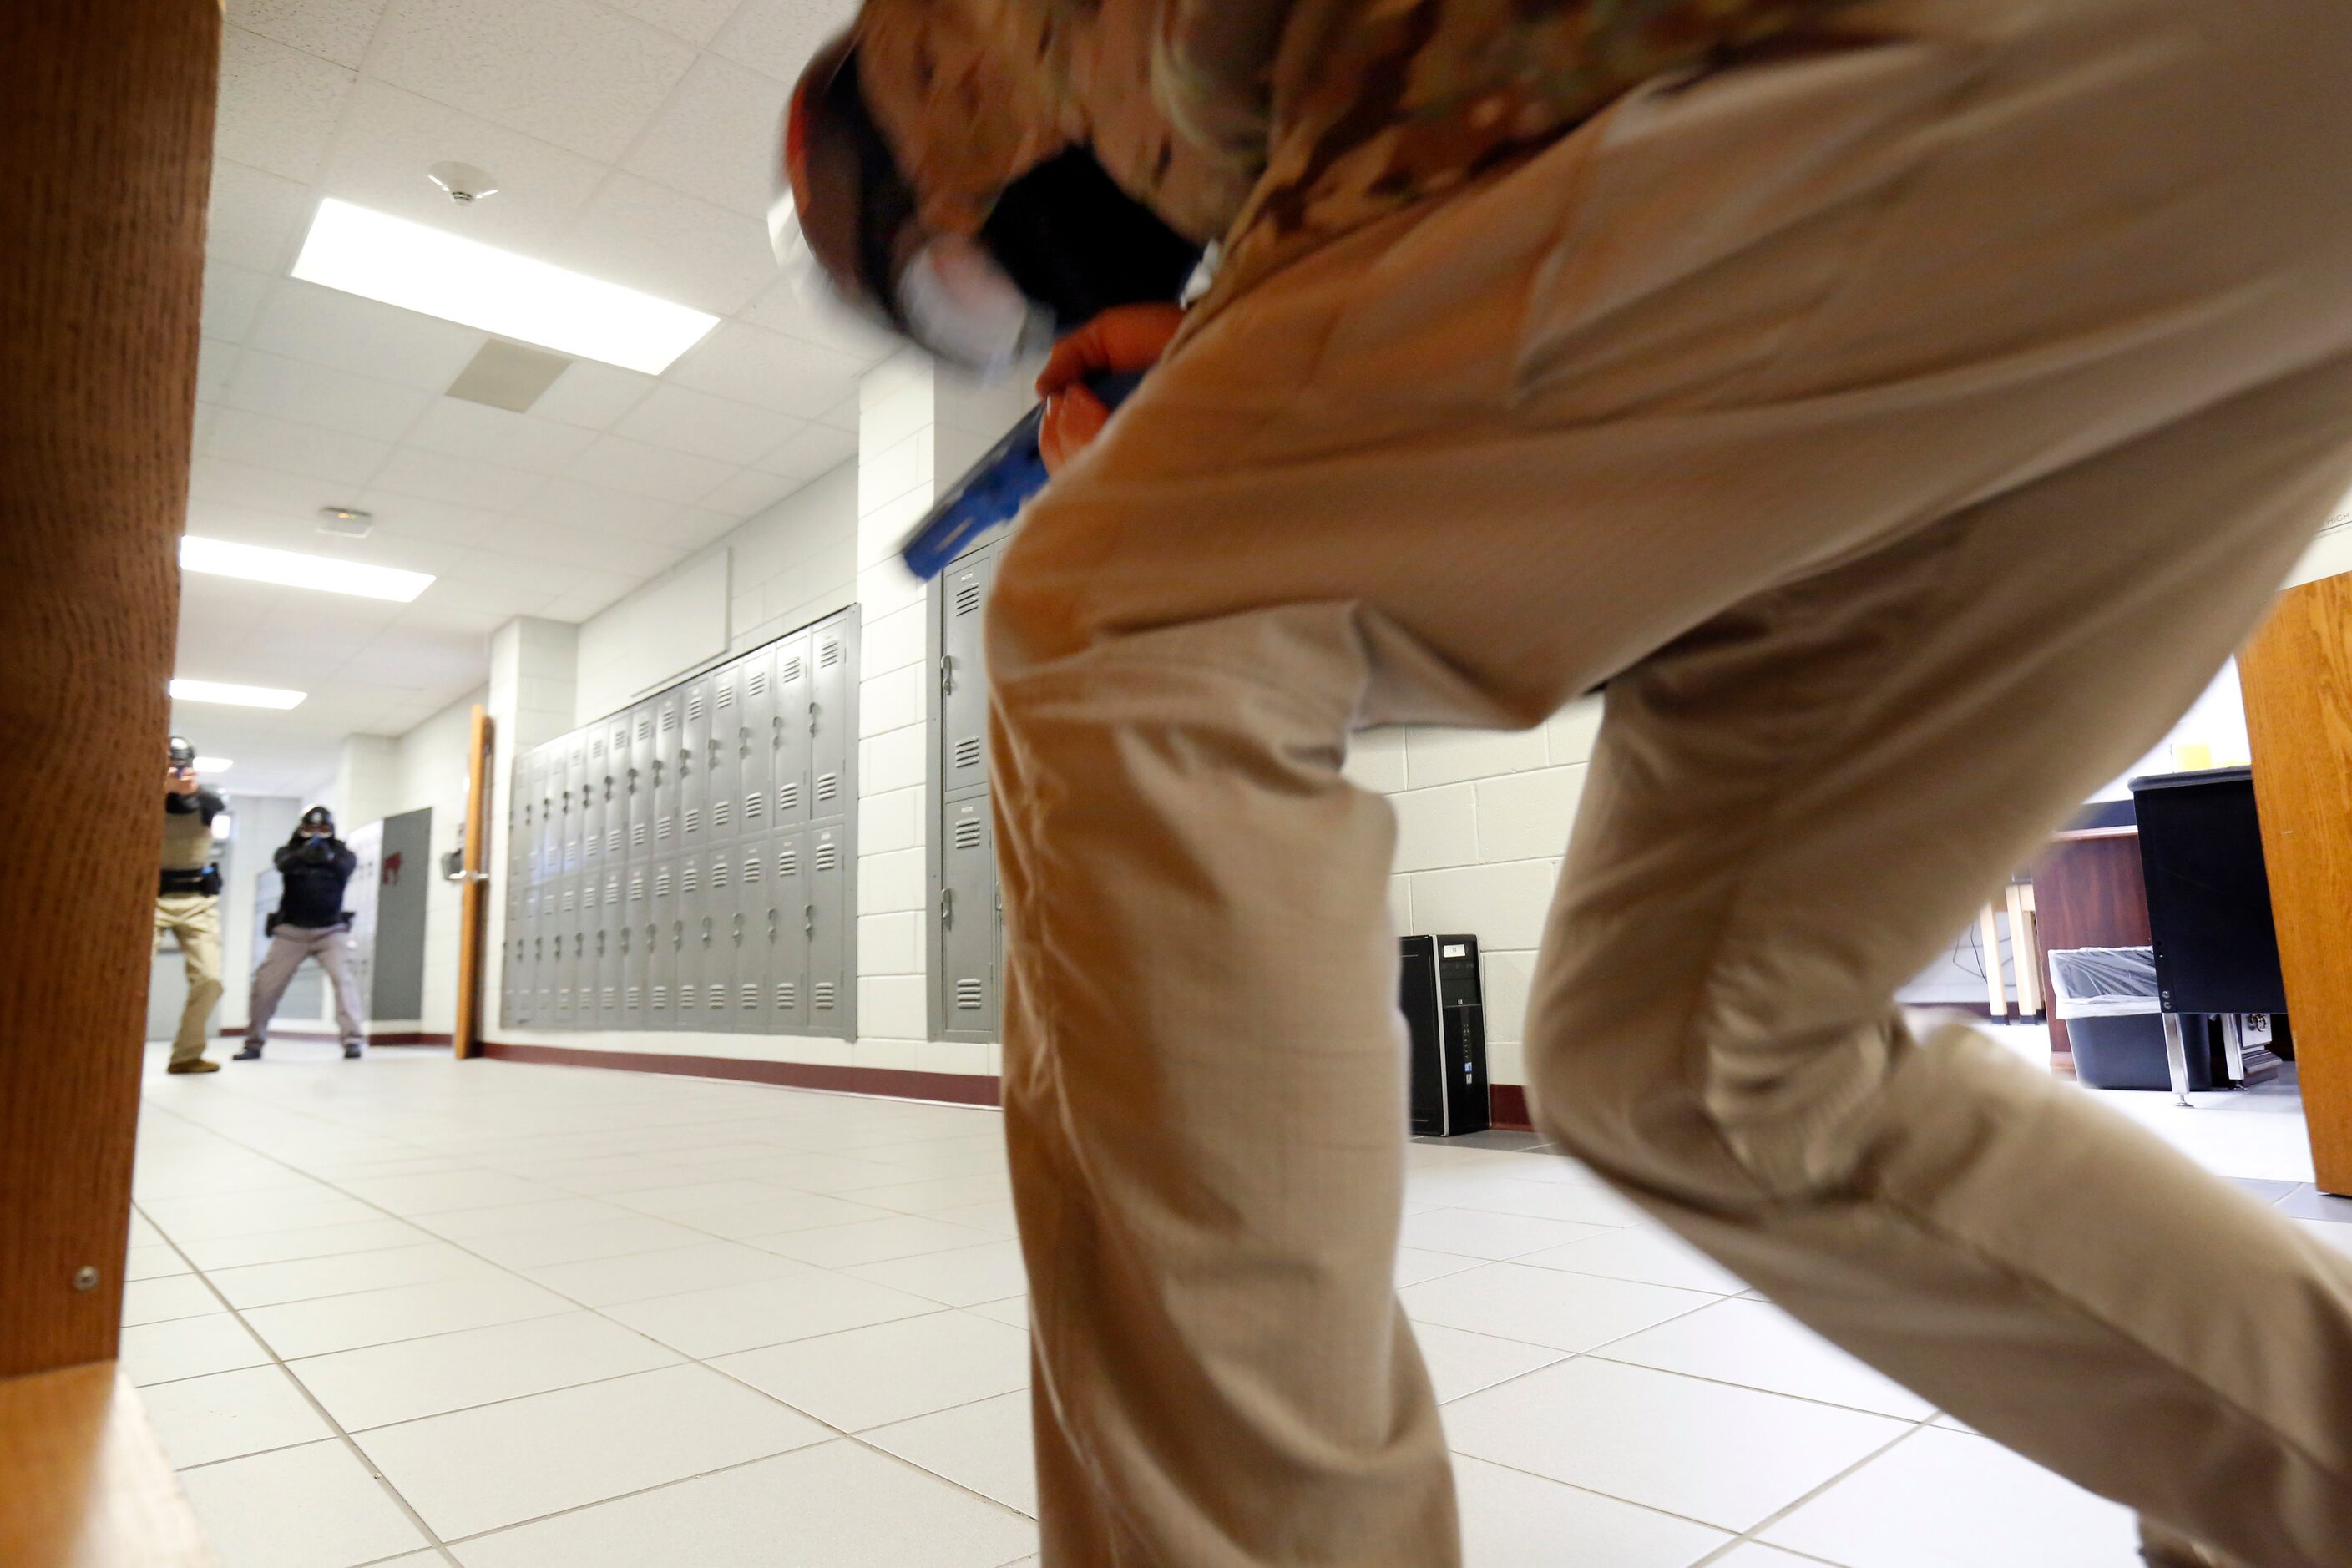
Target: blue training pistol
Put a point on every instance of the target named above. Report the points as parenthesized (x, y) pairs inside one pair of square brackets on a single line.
[(994, 488)]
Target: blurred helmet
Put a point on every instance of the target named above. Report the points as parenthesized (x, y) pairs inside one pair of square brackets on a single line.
[(319, 820), (182, 752)]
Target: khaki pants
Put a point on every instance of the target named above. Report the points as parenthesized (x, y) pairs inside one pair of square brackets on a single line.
[(288, 946), (1911, 424), (193, 919)]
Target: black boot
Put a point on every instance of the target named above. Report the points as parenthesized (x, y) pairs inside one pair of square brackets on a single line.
[(353, 1051), (252, 1052)]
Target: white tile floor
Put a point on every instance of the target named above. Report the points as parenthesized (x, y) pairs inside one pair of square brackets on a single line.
[(510, 1316)]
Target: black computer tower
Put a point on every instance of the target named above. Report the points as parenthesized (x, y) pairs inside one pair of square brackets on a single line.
[(1444, 1009), (2208, 892)]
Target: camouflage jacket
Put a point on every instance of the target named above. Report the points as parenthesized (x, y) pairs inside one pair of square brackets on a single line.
[(1274, 125)]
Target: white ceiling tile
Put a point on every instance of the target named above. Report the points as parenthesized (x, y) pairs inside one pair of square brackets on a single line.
[(215, 363), (809, 452), (592, 396), (622, 464), (271, 491), (242, 436), (842, 417), (779, 36), (337, 30), (277, 105), (256, 218), (689, 421), (600, 509), (462, 481), (391, 137), (693, 20), (719, 137), (751, 491), (508, 597), (636, 558), (233, 296), (669, 244), (327, 326), (468, 429), (493, 566), (804, 308), (410, 552), (598, 591), (769, 370), (201, 427), (297, 389), (569, 71), (418, 517)]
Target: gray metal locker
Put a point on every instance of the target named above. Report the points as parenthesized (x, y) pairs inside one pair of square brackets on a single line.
[(723, 771), (789, 897), (666, 735), (758, 933), (564, 974), (721, 931), (693, 940), (758, 734), (794, 682), (575, 799), (830, 983), (550, 813), (833, 719), (604, 949), (970, 947), (963, 675), (616, 787), (667, 935), (637, 940), (592, 802), (694, 764), (642, 719)]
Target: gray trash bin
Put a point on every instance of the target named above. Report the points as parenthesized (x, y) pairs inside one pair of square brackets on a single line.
[(2108, 998)]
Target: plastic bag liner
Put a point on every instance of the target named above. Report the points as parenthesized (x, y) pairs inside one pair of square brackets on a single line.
[(2104, 981)]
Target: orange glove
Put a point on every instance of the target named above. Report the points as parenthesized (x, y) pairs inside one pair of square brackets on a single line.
[(1123, 338)]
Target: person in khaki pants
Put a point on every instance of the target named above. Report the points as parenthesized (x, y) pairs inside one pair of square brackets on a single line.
[(1905, 408), (187, 900)]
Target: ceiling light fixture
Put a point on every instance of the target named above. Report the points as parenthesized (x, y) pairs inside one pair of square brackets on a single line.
[(423, 268), (234, 696), (220, 558), (214, 765)]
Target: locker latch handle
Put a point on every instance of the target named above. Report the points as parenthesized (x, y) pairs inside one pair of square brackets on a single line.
[(947, 674), (705, 930), (812, 718), (773, 916), (808, 920), (676, 935), (947, 906), (739, 931)]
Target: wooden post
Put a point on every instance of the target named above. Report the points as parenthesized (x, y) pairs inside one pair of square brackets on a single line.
[(2298, 679), (473, 895), (107, 141)]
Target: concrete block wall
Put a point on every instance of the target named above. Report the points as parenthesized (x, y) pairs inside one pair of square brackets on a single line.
[(1482, 825)]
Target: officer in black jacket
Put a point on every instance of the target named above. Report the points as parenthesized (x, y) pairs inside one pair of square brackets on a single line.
[(187, 899), (310, 922)]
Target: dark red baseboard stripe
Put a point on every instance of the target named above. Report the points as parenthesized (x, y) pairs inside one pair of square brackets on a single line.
[(1507, 1106), (406, 1037), (891, 1083)]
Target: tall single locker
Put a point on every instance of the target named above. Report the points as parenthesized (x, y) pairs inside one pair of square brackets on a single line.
[(755, 741), (640, 776), (792, 723), (969, 939), (694, 938), (832, 727), (829, 909), (575, 800), (616, 787), (668, 730), (963, 674), (795, 917), (756, 927), (606, 950), (723, 770), (637, 940), (694, 764), (723, 933), (667, 936), (594, 788)]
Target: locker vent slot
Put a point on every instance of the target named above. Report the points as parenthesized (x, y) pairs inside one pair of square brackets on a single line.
[(828, 653), (610, 1002), (722, 813), (661, 997), (695, 705), (694, 819), (663, 827), (821, 996), (661, 884), (788, 797), (755, 804), (748, 996), (967, 833), (719, 873), (645, 729), (967, 599), (637, 836), (670, 719), (828, 857), (753, 867), (635, 999), (788, 994), (726, 696), (685, 996), (967, 751), (612, 893), (792, 670), (758, 683), (612, 842), (598, 751), (828, 785), (716, 998), (788, 862), (637, 888), (968, 993), (690, 880)]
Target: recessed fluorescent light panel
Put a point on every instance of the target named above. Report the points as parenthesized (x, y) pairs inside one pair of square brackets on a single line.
[(234, 696), (214, 765), (220, 558), (421, 269)]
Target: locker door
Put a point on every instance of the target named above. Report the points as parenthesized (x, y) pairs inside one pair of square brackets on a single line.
[(544, 951), (967, 917), (755, 742), (642, 720), (828, 930), (666, 735), (694, 938), (666, 931), (694, 766), (788, 895), (565, 972), (575, 799), (550, 813), (616, 787), (721, 931), (606, 950), (758, 933), (592, 804), (963, 675), (722, 769), (790, 732), (832, 721), (637, 940)]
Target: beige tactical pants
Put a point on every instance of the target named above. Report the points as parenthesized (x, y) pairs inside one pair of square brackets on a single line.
[(193, 919), (1911, 422), (288, 946)]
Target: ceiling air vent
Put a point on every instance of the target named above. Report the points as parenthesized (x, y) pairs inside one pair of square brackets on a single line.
[(508, 375)]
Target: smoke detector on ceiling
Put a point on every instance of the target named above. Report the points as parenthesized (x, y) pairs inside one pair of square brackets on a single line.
[(348, 521), (462, 182)]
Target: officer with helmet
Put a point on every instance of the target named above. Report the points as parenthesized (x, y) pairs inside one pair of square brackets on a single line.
[(187, 899), (310, 922)]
